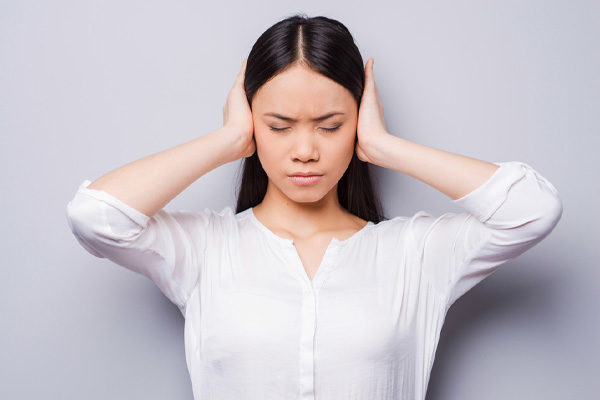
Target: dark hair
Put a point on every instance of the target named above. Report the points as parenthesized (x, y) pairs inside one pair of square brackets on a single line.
[(327, 47)]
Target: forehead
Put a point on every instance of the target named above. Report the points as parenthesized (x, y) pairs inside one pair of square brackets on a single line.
[(302, 92)]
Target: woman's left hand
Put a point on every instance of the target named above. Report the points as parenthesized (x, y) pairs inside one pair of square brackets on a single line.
[(370, 128)]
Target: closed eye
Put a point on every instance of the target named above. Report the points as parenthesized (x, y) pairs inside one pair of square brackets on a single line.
[(335, 128)]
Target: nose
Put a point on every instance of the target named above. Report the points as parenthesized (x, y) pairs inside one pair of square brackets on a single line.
[(305, 145)]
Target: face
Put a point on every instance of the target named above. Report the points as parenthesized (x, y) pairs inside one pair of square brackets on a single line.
[(296, 141)]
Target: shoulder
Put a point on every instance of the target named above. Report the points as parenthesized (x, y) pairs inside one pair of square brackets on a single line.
[(206, 219), (416, 226), (389, 228)]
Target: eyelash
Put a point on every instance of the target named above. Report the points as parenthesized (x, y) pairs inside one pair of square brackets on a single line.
[(325, 129)]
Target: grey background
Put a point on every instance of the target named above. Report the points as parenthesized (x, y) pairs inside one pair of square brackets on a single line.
[(87, 86)]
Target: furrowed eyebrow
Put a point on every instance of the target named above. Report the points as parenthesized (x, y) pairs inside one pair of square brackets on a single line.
[(290, 119)]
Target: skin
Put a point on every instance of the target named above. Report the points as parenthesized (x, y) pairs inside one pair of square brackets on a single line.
[(294, 211)]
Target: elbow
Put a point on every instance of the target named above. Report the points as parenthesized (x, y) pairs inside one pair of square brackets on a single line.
[(555, 212), (80, 226), (80, 219), (95, 222), (550, 210), (88, 223)]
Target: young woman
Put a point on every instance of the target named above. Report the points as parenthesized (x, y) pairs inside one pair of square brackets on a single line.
[(307, 291)]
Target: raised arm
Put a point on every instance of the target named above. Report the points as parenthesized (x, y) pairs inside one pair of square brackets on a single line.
[(120, 216), (509, 207), (452, 174), (148, 184)]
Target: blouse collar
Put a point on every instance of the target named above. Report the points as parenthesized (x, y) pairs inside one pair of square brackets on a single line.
[(290, 242)]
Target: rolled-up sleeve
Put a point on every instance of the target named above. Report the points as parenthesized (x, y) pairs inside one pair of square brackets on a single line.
[(168, 247), (504, 217)]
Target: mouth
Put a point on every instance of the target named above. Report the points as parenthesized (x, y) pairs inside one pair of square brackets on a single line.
[(304, 180)]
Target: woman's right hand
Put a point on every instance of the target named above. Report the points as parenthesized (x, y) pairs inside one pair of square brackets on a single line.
[(237, 116)]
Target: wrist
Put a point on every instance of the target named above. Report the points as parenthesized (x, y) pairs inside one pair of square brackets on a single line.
[(378, 149), (229, 143)]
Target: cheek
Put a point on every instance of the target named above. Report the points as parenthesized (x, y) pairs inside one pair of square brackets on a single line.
[(349, 147), (268, 151), (340, 153), (347, 144)]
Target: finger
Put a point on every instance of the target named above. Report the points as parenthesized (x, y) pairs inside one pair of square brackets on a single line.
[(368, 77), (242, 73), (369, 71), (371, 76)]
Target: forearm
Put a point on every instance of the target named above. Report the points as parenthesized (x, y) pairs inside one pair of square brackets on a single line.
[(148, 184), (453, 174)]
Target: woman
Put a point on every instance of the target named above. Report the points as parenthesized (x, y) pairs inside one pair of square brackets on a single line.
[(306, 290)]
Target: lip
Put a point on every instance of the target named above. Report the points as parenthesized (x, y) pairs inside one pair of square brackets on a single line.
[(309, 173), (303, 180)]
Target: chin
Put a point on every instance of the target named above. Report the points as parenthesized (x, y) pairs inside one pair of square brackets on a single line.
[(307, 194), (303, 195)]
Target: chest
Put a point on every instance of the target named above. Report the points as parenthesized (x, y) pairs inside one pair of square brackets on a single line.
[(311, 254), (257, 302), (352, 326)]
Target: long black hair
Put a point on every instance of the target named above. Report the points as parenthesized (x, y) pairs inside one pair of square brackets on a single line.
[(327, 47)]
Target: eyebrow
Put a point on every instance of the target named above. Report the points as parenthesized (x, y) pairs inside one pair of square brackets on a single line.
[(290, 119)]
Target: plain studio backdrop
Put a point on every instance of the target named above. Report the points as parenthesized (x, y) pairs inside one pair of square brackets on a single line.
[(87, 86)]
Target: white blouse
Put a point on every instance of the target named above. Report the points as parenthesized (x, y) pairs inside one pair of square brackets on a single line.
[(367, 325)]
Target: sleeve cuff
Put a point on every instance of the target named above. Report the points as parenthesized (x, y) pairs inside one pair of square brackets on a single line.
[(483, 201), (137, 216)]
